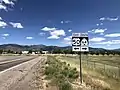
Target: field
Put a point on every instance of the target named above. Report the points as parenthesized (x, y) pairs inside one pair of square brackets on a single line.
[(103, 68)]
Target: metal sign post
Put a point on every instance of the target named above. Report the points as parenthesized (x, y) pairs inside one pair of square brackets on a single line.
[(80, 43), (80, 67)]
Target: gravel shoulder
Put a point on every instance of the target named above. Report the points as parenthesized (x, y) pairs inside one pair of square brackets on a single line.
[(25, 76)]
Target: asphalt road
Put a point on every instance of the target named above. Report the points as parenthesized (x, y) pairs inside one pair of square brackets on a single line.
[(7, 65), (11, 58)]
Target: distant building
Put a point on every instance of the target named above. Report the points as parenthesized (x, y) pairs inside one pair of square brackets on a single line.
[(33, 53), (4, 52), (44, 52), (37, 52), (25, 52)]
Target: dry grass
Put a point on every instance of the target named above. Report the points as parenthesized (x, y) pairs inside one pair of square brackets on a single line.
[(96, 78)]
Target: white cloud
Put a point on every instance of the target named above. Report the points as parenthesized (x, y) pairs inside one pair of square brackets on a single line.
[(48, 29), (16, 25), (113, 35), (5, 35), (68, 40), (8, 2), (112, 19), (97, 39), (109, 18), (68, 21), (69, 30), (3, 24), (53, 37), (112, 42), (62, 22), (41, 34), (89, 31), (108, 45), (101, 23), (4, 4), (97, 24), (3, 7), (0, 18), (101, 31), (21, 9), (102, 19), (56, 34), (29, 38)]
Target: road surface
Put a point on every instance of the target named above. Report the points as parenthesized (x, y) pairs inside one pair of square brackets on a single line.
[(5, 64), (17, 75)]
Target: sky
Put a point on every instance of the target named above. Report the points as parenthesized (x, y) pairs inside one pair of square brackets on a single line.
[(52, 22)]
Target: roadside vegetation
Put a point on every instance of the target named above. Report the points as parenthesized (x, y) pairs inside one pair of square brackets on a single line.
[(98, 71), (60, 74)]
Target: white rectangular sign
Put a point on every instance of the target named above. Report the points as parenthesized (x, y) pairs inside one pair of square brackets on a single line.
[(80, 42)]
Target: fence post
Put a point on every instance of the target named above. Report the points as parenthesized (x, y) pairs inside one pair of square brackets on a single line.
[(87, 62), (104, 67), (94, 64), (119, 71)]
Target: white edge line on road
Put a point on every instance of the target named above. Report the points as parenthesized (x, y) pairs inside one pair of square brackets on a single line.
[(14, 67)]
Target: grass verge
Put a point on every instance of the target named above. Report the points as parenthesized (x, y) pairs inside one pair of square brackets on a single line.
[(60, 73)]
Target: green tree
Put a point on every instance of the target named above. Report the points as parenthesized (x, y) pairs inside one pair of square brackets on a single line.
[(92, 53), (9, 51), (57, 51), (30, 52), (1, 51), (20, 52), (102, 53)]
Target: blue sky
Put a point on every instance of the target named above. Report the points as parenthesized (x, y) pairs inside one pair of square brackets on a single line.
[(52, 22)]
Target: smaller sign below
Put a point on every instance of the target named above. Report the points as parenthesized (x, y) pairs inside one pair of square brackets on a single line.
[(84, 49), (75, 48)]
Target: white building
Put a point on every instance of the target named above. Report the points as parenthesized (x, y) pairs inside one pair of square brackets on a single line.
[(44, 52), (25, 52), (33, 53)]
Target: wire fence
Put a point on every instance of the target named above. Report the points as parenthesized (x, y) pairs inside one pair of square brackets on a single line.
[(106, 65), (105, 69)]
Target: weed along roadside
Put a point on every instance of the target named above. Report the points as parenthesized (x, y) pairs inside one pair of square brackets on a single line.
[(60, 74), (92, 80)]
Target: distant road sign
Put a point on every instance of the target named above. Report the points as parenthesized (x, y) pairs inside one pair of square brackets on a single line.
[(80, 42)]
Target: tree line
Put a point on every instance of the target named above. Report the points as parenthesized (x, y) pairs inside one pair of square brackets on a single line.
[(63, 51)]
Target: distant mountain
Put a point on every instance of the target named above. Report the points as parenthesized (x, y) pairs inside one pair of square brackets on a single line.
[(97, 49), (16, 47), (116, 49), (12, 47)]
